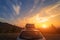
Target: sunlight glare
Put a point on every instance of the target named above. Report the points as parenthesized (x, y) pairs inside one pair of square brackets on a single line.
[(44, 26)]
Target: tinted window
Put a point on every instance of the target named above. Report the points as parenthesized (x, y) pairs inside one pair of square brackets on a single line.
[(30, 35)]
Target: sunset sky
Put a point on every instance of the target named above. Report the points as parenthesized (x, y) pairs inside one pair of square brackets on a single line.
[(39, 12)]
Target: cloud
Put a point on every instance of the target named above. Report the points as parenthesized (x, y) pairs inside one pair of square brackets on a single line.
[(3, 20), (53, 7), (50, 10), (16, 9), (43, 0), (36, 7)]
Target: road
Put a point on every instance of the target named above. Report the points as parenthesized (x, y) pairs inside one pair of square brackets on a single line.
[(12, 36), (52, 36)]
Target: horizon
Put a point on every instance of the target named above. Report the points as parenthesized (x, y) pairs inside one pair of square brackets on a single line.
[(36, 26)]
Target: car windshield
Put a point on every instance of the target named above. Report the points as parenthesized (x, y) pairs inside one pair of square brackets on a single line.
[(30, 35)]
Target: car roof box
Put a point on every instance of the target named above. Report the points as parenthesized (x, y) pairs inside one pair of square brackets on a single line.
[(30, 26)]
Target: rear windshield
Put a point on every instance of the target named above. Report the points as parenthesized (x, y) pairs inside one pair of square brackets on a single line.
[(30, 35)]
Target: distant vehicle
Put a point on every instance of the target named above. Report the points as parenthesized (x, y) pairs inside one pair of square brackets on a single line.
[(29, 34)]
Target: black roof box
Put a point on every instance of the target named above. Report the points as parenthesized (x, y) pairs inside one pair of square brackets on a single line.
[(30, 26)]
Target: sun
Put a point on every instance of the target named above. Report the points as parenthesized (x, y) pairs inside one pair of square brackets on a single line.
[(44, 26)]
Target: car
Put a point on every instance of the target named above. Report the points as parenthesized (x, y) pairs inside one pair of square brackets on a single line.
[(30, 33)]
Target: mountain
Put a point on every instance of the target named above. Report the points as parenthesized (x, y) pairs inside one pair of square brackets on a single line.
[(8, 28)]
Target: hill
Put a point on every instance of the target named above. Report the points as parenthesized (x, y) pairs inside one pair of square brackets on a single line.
[(8, 28)]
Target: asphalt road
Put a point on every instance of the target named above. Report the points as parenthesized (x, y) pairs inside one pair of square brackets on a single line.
[(12, 36)]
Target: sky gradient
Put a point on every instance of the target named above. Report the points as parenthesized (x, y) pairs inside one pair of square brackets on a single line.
[(20, 12)]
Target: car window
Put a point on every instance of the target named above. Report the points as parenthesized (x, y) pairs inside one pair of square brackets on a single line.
[(30, 35)]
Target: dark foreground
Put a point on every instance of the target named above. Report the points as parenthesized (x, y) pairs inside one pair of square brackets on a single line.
[(13, 36)]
